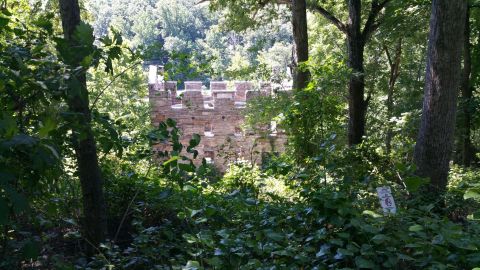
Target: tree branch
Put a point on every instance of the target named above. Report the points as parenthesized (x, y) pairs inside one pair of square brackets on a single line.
[(329, 16), (111, 82), (389, 57), (372, 24)]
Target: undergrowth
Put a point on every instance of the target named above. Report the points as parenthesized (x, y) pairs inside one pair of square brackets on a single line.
[(252, 219)]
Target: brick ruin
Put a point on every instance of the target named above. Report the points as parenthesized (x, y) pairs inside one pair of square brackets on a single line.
[(216, 114)]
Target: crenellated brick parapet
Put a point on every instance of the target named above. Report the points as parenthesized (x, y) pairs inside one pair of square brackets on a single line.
[(216, 114)]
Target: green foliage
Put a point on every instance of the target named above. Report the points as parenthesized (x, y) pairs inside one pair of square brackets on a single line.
[(39, 75), (193, 43), (332, 227), (314, 207), (240, 15), (30, 129), (463, 194), (301, 114), (242, 176)]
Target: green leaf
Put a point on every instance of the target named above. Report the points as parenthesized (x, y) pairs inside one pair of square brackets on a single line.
[(6, 12), (3, 22), (8, 126), (64, 51), (87, 61), (471, 194), (19, 202), (475, 215), (106, 41), (195, 212), (189, 188), (117, 37), (171, 123), (438, 239), (415, 228), (48, 125), (345, 252), (187, 167), (413, 183), (195, 140), (30, 250), (54, 152), (75, 89), (84, 34), (464, 244), (190, 238), (324, 249), (404, 257), (337, 242), (380, 238), (109, 66), (364, 263), (165, 194), (191, 265), (20, 140), (73, 52), (371, 213), (172, 159), (274, 235), (44, 22), (114, 53)]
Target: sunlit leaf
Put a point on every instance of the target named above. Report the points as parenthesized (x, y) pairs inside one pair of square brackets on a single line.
[(471, 194), (415, 228)]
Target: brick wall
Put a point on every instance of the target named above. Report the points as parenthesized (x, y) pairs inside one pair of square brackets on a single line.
[(216, 114)]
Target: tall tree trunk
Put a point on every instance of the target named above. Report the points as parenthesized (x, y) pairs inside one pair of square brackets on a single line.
[(95, 222), (467, 93), (442, 82), (300, 36), (394, 64), (356, 40), (357, 104)]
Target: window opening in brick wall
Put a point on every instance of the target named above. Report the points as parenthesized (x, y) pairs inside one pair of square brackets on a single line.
[(238, 132), (208, 130), (273, 128), (209, 156)]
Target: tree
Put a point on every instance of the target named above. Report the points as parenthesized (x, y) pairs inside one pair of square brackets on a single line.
[(394, 64), (356, 41), (442, 82), (95, 223), (243, 15), (467, 150), (300, 37)]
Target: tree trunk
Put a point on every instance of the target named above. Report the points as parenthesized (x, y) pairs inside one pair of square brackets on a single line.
[(394, 64), (442, 82), (356, 40), (357, 104), (467, 93), (300, 36), (94, 223)]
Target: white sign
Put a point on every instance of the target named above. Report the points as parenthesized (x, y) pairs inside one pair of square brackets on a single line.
[(386, 200)]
